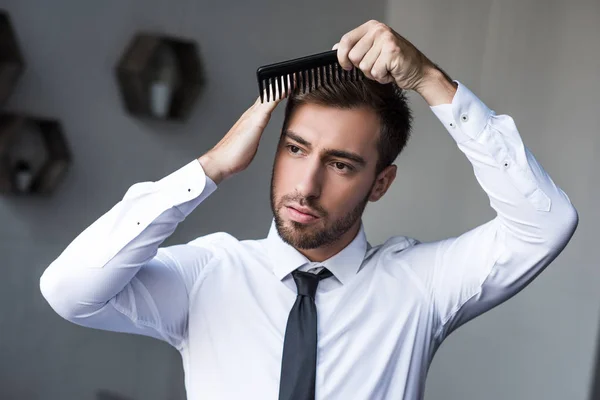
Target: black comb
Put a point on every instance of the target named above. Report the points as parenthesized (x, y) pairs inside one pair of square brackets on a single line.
[(308, 73)]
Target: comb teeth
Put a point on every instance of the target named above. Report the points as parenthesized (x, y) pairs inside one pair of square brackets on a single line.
[(302, 75)]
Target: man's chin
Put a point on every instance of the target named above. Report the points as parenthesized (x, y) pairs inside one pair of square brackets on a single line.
[(303, 228), (299, 240), (296, 233)]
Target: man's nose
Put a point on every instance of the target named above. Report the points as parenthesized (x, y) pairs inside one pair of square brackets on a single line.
[(310, 180)]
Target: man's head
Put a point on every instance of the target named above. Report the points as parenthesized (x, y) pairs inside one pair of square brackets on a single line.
[(335, 154)]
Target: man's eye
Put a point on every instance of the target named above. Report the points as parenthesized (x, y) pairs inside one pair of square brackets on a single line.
[(293, 149), (341, 166)]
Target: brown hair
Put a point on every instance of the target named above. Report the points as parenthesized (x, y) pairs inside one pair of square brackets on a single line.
[(387, 100)]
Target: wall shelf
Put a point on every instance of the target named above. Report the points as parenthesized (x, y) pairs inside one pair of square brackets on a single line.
[(11, 60), (159, 77), (34, 155)]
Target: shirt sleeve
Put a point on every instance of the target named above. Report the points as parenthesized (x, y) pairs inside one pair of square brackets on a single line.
[(114, 276), (534, 220)]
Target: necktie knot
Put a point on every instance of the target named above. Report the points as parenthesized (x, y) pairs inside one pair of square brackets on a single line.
[(307, 282)]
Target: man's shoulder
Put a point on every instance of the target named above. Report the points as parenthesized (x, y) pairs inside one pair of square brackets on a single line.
[(215, 239), (401, 241), (219, 242), (408, 250), (397, 243)]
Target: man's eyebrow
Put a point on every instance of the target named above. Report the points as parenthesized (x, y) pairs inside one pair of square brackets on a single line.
[(347, 155), (294, 136), (328, 152)]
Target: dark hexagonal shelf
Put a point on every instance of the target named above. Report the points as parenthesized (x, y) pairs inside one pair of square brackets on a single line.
[(11, 60), (34, 156), (160, 76)]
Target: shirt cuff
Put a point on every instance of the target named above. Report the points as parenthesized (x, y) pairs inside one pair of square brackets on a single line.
[(188, 183), (466, 117)]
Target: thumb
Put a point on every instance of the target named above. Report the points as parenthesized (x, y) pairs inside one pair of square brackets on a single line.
[(335, 46)]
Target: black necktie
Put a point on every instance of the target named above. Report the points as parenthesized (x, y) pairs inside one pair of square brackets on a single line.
[(299, 363)]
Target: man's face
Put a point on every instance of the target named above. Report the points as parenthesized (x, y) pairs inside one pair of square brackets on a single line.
[(323, 173)]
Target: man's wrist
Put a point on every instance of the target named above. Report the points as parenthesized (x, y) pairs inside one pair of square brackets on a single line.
[(436, 87), (211, 169)]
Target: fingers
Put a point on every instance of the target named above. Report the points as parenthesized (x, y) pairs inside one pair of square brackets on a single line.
[(272, 93), (364, 47), (366, 63), (265, 105), (348, 42), (367, 55), (380, 71), (360, 49), (375, 64)]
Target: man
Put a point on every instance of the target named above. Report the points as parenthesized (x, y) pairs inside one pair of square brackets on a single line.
[(243, 314)]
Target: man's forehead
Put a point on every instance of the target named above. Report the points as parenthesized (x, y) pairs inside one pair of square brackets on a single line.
[(323, 126)]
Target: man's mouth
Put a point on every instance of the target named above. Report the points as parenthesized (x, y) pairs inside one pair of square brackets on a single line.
[(301, 214)]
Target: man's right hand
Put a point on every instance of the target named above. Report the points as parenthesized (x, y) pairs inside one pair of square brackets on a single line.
[(238, 147)]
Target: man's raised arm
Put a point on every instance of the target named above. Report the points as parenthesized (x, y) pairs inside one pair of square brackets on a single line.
[(114, 276), (535, 219)]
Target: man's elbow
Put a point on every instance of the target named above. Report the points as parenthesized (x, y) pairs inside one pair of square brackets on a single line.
[(51, 293), (563, 228), (570, 220), (60, 299)]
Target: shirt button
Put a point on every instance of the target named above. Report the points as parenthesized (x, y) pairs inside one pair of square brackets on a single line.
[(464, 118), (452, 125), (506, 164)]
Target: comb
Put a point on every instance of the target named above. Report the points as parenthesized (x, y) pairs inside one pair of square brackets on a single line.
[(307, 73)]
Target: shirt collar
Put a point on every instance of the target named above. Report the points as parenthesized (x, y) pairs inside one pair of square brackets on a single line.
[(344, 265)]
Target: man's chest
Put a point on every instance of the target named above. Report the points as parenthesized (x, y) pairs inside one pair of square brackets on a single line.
[(366, 329)]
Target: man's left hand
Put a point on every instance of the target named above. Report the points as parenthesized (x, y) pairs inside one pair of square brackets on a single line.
[(383, 55)]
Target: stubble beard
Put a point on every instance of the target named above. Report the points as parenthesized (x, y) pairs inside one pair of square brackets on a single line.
[(307, 237)]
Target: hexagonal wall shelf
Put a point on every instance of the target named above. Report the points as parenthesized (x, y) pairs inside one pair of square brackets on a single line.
[(11, 60), (160, 76), (34, 155)]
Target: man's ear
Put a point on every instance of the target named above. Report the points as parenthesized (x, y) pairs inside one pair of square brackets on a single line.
[(383, 182)]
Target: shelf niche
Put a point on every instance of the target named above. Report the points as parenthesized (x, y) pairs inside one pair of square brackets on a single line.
[(11, 60), (34, 156), (160, 77)]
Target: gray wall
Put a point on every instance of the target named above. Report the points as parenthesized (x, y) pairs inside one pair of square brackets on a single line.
[(538, 61), (535, 60), (71, 47)]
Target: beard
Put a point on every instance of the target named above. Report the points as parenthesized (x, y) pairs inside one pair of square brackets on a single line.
[(306, 237)]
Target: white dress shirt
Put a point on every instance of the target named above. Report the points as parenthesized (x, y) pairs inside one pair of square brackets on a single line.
[(224, 303)]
